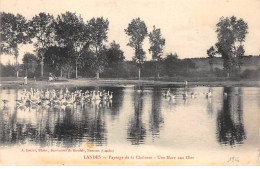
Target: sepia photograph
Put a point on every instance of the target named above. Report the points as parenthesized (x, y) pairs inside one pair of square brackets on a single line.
[(129, 82)]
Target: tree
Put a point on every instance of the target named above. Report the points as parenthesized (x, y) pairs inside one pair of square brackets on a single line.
[(231, 33), (156, 48), (13, 32), (171, 63), (42, 28), (98, 29), (137, 31), (73, 32), (30, 63), (114, 54), (240, 52), (59, 59), (211, 52)]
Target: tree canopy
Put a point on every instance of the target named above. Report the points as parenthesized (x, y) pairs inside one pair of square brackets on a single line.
[(137, 31), (231, 33)]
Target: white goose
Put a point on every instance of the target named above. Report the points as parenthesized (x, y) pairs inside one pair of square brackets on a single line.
[(209, 94)]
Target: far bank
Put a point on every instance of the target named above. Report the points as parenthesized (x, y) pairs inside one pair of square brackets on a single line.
[(9, 83)]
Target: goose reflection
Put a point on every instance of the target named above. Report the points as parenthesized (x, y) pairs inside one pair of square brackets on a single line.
[(230, 127)]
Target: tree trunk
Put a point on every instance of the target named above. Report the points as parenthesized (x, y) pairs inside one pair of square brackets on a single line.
[(76, 71), (17, 67), (227, 75), (97, 75), (139, 73), (158, 75), (42, 67), (69, 74), (26, 72), (60, 72)]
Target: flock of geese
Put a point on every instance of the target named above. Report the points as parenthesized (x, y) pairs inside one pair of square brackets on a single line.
[(60, 97), (185, 95), (63, 98)]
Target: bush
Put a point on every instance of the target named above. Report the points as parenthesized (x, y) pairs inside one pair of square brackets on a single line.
[(251, 74)]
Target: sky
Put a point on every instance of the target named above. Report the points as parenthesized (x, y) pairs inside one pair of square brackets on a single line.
[(187, 25)]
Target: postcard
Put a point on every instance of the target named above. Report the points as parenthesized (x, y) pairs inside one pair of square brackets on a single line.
[(129, 83)]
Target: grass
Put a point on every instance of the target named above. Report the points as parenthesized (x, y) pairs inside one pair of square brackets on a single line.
[(13, 82)]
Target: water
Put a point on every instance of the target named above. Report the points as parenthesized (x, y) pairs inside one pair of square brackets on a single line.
[(139, 117)]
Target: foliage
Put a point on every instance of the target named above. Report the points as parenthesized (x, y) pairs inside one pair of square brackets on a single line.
[(211, 52), (59, 59), (7, 70), (157, 43), (42, 28), (231, 33), (137, 31), (98, 28), (114, 54), (156, 48), (30, 64), (13, 31), (73, 33)]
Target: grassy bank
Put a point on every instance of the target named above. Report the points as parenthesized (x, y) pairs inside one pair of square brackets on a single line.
[(11, 82)]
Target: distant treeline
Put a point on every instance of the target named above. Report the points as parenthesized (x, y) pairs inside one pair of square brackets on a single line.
[(171, 66), (67, 46)]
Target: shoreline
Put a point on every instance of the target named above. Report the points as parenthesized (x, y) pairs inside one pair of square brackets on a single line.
[(12, 84)]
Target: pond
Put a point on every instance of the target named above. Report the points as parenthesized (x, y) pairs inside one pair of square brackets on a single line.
[(138, 116)]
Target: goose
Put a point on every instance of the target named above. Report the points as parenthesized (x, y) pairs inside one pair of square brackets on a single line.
[(71, 99), (5, 102), (110, 97), (21, 102), (101, 95), (171, 96), (185, 95), (166, 93), (192, 95), (185, 83), (209, 94), (97, 97)]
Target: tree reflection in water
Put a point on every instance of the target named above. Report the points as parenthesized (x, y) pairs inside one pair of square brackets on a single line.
[(230, 127), (136, 130), (156, 118), (92, 121), (54, 126)]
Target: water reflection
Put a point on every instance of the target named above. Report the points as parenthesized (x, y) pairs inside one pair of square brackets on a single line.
[(136, 131), (230, 127), (156, 117), (143, 113)]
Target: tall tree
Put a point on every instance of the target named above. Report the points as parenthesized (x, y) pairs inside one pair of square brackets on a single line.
[(30, 63), (137, 31), (231, 33), (211, 52), (73, 32), (42, 28), (59, 59), (98, 29), (13, 32), (156, 48)]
